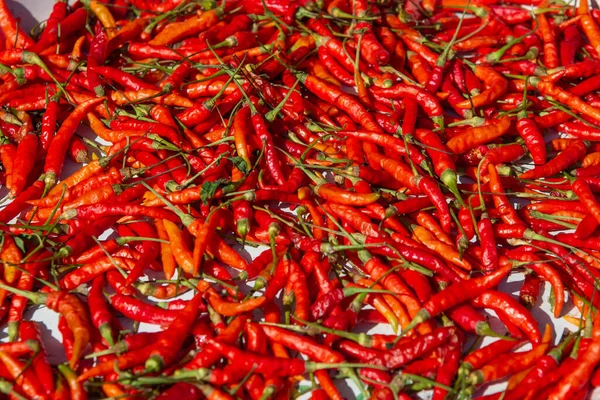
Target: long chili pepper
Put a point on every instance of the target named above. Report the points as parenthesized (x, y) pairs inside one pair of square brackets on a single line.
[(93, 211), (444, 250), (392, 282), (337, 97), (23, 164), (564, 159), (443, 164), (583, 191), (544, 366), (302, 344), (58, 146), (267, 365), (416, 255), (405, 352), (389, 143), (31, 331), (516, 312), (497, 86), (534, 141), (99, 312), (449, 368), (551, 57), (475, 136), (76, 388), (484, 355), (172, 338), (489, 253), (149, 249), (128, 360), (402, 173), (19, 303), (14, 34), (456, 294), (551, 90), (140, 311), (501, 202), (501, 366)]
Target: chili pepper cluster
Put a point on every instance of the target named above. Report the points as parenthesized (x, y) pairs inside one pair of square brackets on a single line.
[(374, 153)]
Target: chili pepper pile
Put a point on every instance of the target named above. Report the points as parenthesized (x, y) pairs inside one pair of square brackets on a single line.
[(391, 162)]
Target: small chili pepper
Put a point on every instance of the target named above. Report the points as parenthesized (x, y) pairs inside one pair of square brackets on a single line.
[(529, 292), (171, 339)]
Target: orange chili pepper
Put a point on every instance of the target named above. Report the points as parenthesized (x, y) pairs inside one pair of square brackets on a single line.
[(232, 309), (190, 27), (182, 254), (240, 130), (591, 159), (11, 258), (475, 136), (496, 87), (444, 250), (105, 17)]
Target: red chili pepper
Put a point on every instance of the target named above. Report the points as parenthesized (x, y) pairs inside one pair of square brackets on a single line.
[(515, 311), (58, 147), (544, 366), (489, 257), (575, 152), (406, 352), (24, 163), (100, 314), (25, 378), (511, 363), (569, 44), (458, 293), (172, 338), (449, 368), (30, 331), (140, 311)]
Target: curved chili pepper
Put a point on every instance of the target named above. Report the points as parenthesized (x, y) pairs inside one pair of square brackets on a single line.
[(101, 316), (575, 152), (30, 331), (475, 136), (457, 293), (516, 312), (497, 86), (510, 363), (140, 311), (58, 147)]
